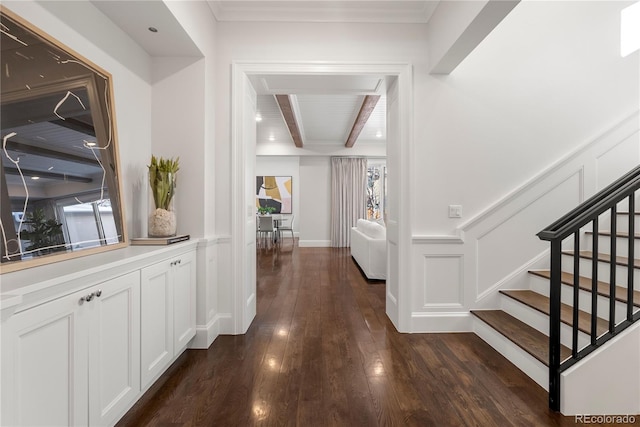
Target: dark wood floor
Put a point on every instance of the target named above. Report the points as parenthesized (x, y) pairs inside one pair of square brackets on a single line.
[(322, 352)]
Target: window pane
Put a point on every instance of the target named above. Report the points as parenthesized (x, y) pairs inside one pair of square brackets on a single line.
[(375, 192), (108, 222), (81, 224)]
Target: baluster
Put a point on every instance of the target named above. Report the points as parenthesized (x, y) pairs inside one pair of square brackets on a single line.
[(576, 292), (631, 254), (612, 269), (594, 282)]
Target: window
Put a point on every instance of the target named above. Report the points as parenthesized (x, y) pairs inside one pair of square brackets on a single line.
[(376, 189), (88, 224), (630, 29)]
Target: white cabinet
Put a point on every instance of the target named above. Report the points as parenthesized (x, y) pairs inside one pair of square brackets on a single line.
[(114, 349), (73, 360), (184, 301), (168, 313)]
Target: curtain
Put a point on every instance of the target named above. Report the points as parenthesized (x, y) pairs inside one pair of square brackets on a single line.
[(348, 197)]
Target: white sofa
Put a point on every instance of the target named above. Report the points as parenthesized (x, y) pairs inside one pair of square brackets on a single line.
[(369, 248)]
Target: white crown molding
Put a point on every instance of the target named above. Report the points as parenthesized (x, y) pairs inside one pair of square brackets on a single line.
[(397, 11)]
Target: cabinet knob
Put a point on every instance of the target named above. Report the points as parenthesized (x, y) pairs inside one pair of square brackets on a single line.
[(98, 293), (89, 297)]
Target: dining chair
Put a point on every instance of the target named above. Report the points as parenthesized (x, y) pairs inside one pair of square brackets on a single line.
[(287, 227), (266, 229)]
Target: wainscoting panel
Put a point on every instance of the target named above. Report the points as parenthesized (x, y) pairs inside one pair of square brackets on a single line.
[(443, 281)]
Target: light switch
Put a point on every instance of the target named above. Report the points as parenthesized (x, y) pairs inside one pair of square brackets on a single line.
[(455, 211)]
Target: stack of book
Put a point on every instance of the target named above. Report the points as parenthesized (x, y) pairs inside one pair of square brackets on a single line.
[(159, 240)]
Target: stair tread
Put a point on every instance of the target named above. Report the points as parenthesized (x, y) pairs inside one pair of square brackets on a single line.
[(524, 336), (585, 284), (622, 234), (620, 260), (541, 303)]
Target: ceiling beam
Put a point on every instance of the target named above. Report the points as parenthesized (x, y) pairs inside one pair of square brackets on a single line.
[(77, 125), (50, 175), (286, 108), (368, 105), (51, 154)]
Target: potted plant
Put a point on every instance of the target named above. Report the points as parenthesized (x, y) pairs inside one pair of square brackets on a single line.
[(44, 235), (162, 180), (266, 210)]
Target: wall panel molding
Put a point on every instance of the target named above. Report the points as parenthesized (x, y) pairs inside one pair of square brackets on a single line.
[(499, 244)]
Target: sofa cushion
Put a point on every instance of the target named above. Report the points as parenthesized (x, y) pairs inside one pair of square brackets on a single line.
[(372, 229)]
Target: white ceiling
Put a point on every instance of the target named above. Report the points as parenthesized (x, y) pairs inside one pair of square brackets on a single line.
[(325, 106)]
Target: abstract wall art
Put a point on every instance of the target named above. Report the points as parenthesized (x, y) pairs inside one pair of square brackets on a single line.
[(274, 191)]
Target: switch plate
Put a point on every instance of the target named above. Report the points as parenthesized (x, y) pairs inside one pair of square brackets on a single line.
[(455, 211)]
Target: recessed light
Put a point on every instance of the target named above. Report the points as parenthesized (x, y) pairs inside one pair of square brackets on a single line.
[(153, 29), (35, 177), (272, 138), (379, 134), (258, 118)]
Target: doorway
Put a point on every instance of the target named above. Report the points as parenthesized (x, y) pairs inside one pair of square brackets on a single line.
[(399, 132)]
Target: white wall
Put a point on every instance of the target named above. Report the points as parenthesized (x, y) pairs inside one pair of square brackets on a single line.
[(539, 117), (548, 79), (315, 201)]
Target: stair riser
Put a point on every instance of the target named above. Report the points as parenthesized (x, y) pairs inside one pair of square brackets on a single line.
[(540, 321), (622, 245), (533, 368), (622, 223), (541, 285), (603, 271)]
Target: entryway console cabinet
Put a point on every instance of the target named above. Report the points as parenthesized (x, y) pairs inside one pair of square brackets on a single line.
[(77, 342)]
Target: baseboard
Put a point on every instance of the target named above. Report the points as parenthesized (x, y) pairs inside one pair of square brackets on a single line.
[(441, 322), (206, 334), (314, 243)]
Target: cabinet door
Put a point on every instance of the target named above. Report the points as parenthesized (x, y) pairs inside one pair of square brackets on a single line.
[(114, 348), (184, 301), (44, 365), (156, 320)]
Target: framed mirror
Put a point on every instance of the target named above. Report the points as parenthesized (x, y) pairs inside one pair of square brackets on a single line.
[(60, 180)]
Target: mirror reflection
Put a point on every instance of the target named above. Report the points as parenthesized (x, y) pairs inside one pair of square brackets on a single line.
[(59, 180)]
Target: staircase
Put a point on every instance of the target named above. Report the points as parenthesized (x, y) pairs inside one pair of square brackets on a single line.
[(584, 300)]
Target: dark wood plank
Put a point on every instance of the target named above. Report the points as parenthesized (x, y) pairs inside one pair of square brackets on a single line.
[(585, 284), (322, 352), (541, 303), (524, 336), (620, 260)]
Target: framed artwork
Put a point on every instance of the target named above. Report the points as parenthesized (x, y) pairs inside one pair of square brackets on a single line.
[(275, 192)]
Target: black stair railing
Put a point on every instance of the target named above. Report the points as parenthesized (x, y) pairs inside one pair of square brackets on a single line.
[(569, 227)]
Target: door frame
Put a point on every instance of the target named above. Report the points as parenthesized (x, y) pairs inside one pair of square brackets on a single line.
[(400, 315)]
